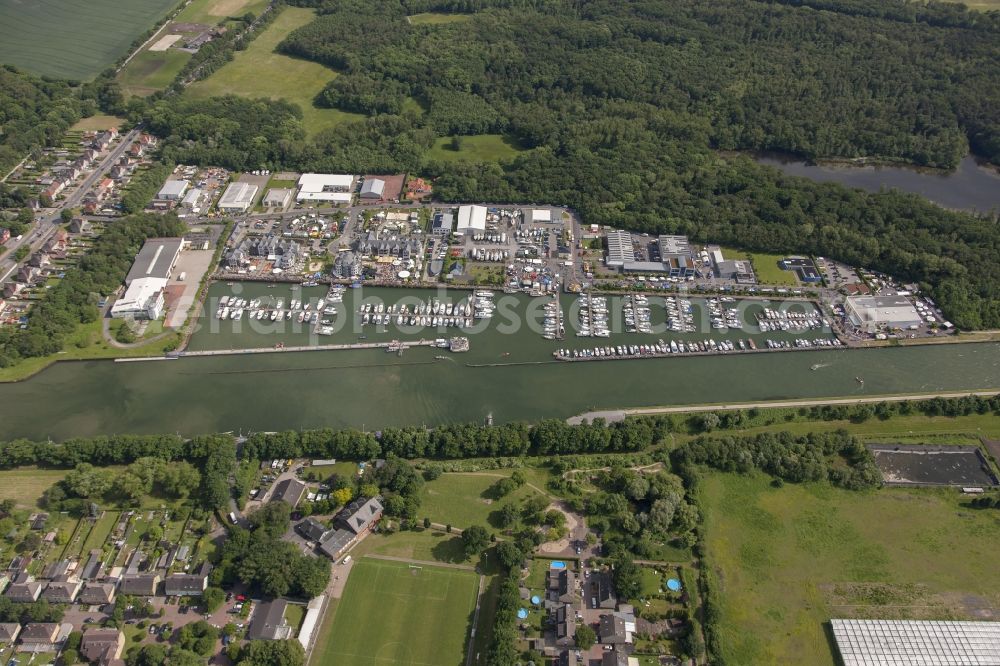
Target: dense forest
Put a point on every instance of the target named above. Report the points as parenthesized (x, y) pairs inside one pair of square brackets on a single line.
[(35, 112), (623, 109)]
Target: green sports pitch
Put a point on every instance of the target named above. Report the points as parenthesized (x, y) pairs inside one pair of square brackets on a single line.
[(395, 614), (73, 40)]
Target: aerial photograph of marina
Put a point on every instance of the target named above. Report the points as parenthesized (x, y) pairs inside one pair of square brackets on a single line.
[(436, 333)]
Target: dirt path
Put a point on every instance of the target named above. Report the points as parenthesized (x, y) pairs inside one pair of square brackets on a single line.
[(620, 414)]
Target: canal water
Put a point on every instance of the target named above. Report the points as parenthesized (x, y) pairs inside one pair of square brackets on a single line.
[(509, 374), (969, 187)]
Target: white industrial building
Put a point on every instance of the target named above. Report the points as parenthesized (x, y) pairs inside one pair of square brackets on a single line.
[(143, 299), (192, 198), (471, 219), (238, 197), (172, 190), (335, 188), (621, 251), (538, 215), (147, 279), (870, 313)]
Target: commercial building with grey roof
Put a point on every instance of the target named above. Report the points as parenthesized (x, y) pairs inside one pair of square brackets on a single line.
[(156, 259)]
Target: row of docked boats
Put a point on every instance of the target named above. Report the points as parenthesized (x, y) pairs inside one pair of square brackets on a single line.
[(637, 314), (662, 348), (593, 317), (434, 312), (723, 313), (552, 325), (680, 315), (775, 320), (235, 308)]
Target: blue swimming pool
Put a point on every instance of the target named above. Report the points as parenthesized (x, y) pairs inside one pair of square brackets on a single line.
[(558, 565)]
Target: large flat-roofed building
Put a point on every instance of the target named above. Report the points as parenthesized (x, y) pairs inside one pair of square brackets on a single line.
[(620, 249), (278, 197), (156, 259), (870, 313), (143, 299), (804, 268), (147, 279), (538, 215), (675, 253), (917, 642), (335, 188), (238, 197), (471, 219), (172, 190)]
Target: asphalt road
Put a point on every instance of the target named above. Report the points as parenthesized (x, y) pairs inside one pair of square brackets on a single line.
[(44, 228)]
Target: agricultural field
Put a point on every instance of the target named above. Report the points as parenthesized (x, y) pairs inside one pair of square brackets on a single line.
[(463, 499), (152, 71), (73, 40), (789, 559), (26, 484), (259, 71), (481, 148), (387, 613), (212, 12)]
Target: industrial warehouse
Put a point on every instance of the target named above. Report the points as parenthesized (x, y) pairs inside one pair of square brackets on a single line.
[(147, 279)]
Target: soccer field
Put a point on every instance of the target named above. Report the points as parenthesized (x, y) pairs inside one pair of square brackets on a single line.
[(395, 615), (73, 40)]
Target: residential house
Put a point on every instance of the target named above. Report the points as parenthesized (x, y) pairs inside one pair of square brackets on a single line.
[(565, 625), (63, 591), (102, 646), (9, 632), (187, 585), (313, 530), (92, 569), (289, 490), (25, 592), (617, 628), (40, 637), (98, 594), (602, 590), (12, 289), (562, 585), (39, 260), (347, 265), (140, 585)]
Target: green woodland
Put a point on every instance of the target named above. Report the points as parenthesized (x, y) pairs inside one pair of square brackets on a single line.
[(624, 108), (630, 113)]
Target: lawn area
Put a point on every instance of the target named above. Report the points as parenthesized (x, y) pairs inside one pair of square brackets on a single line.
[(25, 485), (430, 18), (85, 344), (765, 266), (481, 148), (73, 40), (464, 499), (212, 12), (97, 123), (261, 72), (789, 559), (99, 534), (152, 71), (388, 610), (427, 545)]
